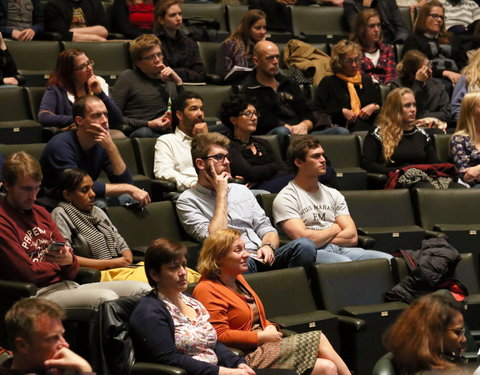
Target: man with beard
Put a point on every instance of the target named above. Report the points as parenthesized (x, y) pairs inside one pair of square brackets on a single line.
[(143, 93), (214, 204), (172, 151)]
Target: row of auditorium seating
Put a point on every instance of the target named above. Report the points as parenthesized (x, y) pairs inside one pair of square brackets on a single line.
[(111, 58), (344, 300)]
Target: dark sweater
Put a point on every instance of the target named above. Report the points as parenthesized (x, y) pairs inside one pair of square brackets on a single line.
[(415, 147)]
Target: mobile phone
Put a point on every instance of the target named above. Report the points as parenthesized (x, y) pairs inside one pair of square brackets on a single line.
[(56, 246)]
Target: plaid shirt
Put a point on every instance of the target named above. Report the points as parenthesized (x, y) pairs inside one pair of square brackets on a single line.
[(386, 69)]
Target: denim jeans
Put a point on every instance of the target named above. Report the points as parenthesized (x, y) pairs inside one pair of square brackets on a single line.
[(333, 254)]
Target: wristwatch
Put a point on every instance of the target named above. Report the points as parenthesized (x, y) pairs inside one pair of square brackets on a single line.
[(269, 245)]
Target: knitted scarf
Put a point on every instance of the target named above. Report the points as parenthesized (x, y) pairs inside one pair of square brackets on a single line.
[(351, 82), (98, 234)]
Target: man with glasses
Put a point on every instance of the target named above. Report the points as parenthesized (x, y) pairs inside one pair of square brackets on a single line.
[(214, 204), (172, 151), (92, 149), (143, 94)]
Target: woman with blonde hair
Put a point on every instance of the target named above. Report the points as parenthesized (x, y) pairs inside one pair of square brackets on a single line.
[(237, 49), (378, 57), (349, 97), (468, 82), (465, 142), (428, 335), (396, 142), (433, 103), (238, 315)]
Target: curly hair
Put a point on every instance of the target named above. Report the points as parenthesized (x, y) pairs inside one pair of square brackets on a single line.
[(472, 72), (390, 121), (416, 338), (233, 107), (466, 121)]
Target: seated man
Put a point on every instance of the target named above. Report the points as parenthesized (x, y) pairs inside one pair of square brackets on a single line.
[(35, 330), (143, 93), (92, 149), (215, 204), (33, 250), (173, 161), (307, 208), (280, 102), (77, 20), (21, 20)]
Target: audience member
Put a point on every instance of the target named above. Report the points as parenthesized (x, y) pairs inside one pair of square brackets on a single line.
[(251, 158), (21, 21), (237, 50), (170, 328), (464, 143), (90, 233), (433, 103), (214, 204), (428, 335), (397, 143), (349, 97), (8, 69), (307, 208), (180, 52), (230, 301), (33, 250), (144, 93), (429, 37), (77, 20), (281, 105), (173, 159), (35, 330), (73, 78), (469, 81), (378, 58), (90, 148), (394, 28), (461, 16), (133, 17)]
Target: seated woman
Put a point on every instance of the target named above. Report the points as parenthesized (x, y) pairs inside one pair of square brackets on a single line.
[(433, 103), (468, 82), (91, 234), (465, 142), (8, 69), (73, 78), (378, 57), (179, 51), (349, 97), (239, 317), (430, 38), (237, 49), (170, 328), (428, 335), (396, 142), (133, 17)]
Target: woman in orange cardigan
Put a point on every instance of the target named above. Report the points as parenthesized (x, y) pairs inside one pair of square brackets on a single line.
[(238, 315)]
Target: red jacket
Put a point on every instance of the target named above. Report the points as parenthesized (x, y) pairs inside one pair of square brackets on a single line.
[(24, 238)]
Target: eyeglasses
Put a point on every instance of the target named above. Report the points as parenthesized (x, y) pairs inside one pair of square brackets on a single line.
[(249, 114), (351, 61), (436, 16), (458, 331), (89, 63), (152, 57), (219, 157)]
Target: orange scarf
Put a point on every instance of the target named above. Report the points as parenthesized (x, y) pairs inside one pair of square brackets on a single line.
[(351, 81)]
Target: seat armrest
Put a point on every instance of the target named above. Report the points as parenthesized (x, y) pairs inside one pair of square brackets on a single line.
[(435, 234), (357, 323), (87, 275), (143, 368), (365, 241), (9, 289)]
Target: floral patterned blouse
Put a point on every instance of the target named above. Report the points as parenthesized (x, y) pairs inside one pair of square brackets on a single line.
[(464, 152), (196, 337)]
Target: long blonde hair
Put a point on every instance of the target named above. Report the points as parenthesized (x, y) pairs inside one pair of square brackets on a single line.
[(472, 72), (390, 121), (466, 121)]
